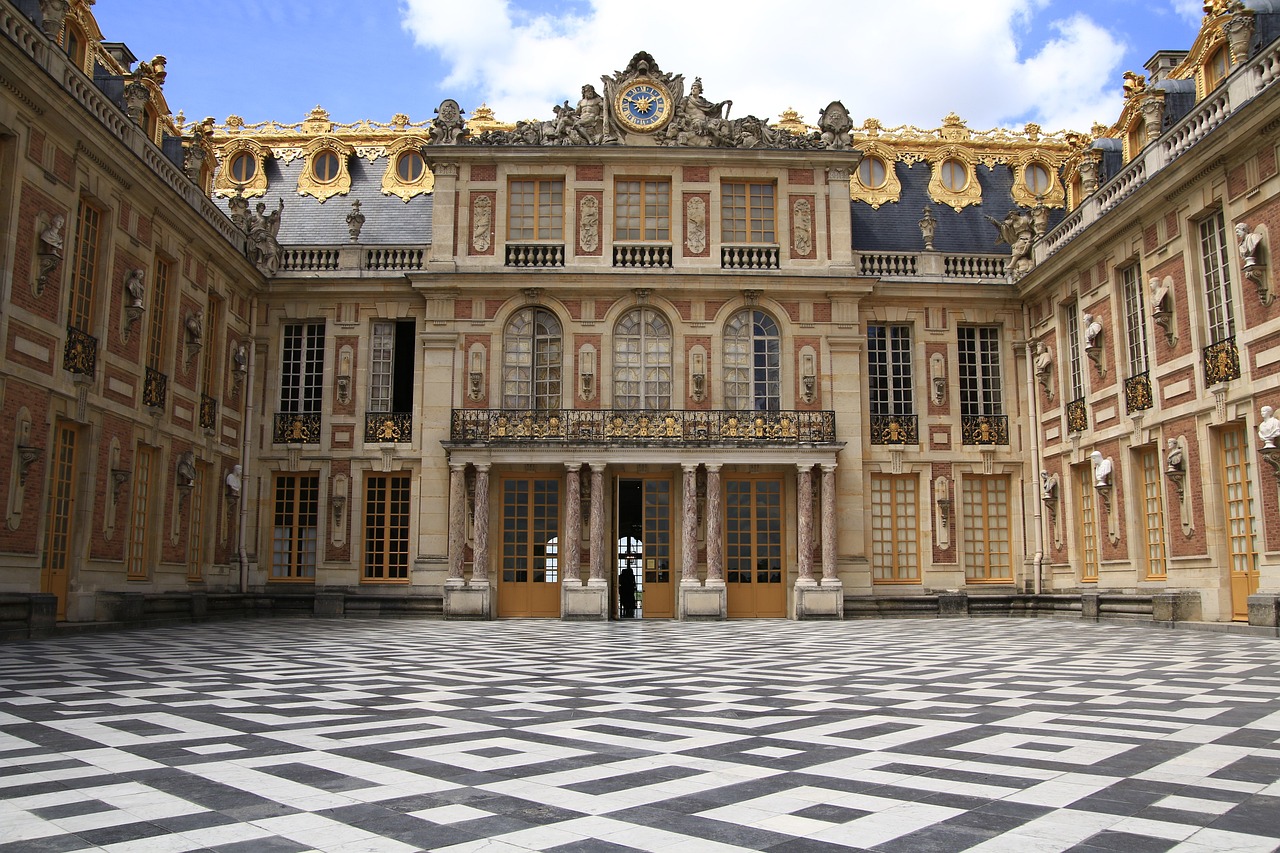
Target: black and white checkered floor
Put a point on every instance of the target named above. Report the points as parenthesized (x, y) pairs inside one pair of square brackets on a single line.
[(1001, 735)]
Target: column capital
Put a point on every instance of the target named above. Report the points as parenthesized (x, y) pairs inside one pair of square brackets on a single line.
[(689, 466), (573, 466), (457, 466), (482, 467), (598, 467), (804, 467), (828, 467), (713, 467)]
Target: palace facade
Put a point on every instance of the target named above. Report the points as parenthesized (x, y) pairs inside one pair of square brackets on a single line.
[(745, 368)]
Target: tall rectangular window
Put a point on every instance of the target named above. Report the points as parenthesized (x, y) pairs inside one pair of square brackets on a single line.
[(196, 531), (386, 528), (889, 369), (984, 504), (84, 272), (213, 348), (156, 321), (294, 536), (980, 385), (302, 368), (391, 366), (1088, 515), (535, 210), (642, 210), (747, 213), (1217, 283), (1135, 316), (1153, 511), (895, 531), (1075, 369), (136, 553)]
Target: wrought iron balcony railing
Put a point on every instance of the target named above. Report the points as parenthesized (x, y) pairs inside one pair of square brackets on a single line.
[(296, 428), (389, 427), (534, 255), (642, 255), (749, 257), (895, 429), (1137, 393), (1077, 415), (81, 353), (667, 427), (155, 389), (984, 429), (208, 412), (1221, 361)]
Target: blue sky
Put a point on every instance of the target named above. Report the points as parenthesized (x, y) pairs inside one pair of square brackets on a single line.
[(995, 62)]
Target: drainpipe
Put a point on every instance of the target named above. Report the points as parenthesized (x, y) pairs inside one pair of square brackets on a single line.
[(1033, 406), (246, 430)]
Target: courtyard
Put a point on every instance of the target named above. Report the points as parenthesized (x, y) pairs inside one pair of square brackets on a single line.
[(400, 735)]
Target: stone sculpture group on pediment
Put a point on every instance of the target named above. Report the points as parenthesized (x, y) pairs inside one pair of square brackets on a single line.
[(695, 120)]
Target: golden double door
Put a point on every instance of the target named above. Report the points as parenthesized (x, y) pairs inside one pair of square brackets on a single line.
[(753, 548), (530, 571), (642, 522)]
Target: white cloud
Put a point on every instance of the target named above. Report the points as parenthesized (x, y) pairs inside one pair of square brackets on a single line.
[(1192, 11), (912, 61)]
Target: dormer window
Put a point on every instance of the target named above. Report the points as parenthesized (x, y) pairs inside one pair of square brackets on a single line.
[(1217, 68), (1035, 177), (954, 175), (243, 167), (325, 167), (872, 173), (410, 166)]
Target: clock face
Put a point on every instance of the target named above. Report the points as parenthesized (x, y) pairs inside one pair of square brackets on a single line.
[(643, 106)]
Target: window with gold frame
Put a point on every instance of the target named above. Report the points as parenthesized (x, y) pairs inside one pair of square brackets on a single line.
[(984, 504), (895, 529), (1087, 517), (84, 272), (295, 528), (137, 550), (747, 212), (1157, 567), (386, 528), (196, 531), (535, 209)]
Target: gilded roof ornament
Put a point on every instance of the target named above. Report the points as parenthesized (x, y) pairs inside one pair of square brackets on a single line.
[(482, 119), (792, 122)]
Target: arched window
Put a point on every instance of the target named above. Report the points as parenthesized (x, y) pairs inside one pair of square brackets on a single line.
[(531, 361), (642, 361), (752, 362), (1217, 68)]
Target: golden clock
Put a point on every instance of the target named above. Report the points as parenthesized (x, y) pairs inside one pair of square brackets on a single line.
[(643, 106)]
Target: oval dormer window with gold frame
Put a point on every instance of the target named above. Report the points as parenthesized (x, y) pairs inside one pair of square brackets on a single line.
[(872, 173), (1216, 68), (954, 175), (410, 166), (243, 167), (325, 167), (1035, 177)]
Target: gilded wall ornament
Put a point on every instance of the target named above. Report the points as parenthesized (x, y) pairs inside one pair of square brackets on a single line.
[(954, 178), (242, 164), (888, 190)]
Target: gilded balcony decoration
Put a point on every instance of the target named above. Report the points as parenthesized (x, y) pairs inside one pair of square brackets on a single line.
[(296, 428), (155, 389), (389, 427), (1221, 361), (208, 412), (1077, 416), (669, 427), (984, 429), (81, 353), (1137, 393), (894, 429)]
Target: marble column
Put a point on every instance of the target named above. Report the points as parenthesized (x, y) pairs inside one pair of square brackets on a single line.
[(804, 522), (597, 526), (715, 544), (480, 523), (573, 525), (689, 522), (457, 521), (829, 524)]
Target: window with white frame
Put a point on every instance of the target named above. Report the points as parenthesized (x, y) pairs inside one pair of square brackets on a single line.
[(752, 362), (1217, 282), (1075, 369), (302, 368), (391, 366), (1135, 314), (532, 357), (642, 361), (889, 369), (980, 383)]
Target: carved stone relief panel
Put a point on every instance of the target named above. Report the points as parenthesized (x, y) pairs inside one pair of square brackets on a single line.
[(482, 223), (802, 227), (696, 244), (589, 223)]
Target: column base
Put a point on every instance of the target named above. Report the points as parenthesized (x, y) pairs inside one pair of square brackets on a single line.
[(708, 603), (1264, 609), (467, 602), (819, 602), (588, 603)]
